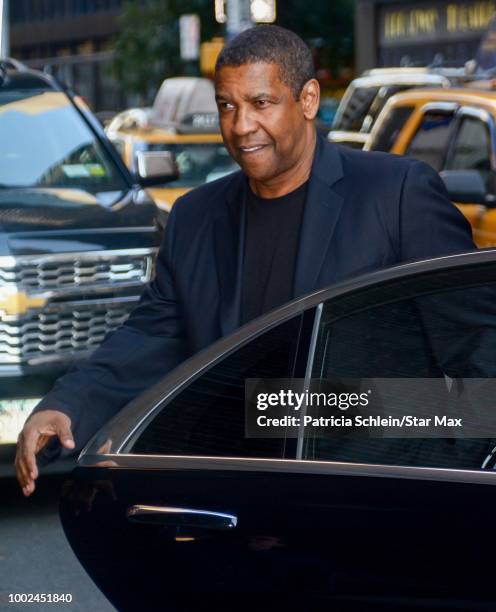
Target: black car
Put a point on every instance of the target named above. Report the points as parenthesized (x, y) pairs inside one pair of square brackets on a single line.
[(174, 507), (78, 235)]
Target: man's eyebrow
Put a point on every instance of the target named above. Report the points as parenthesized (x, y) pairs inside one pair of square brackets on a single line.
[(261, 96), (221, 97)]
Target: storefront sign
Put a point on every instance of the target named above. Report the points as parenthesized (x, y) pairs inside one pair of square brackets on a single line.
[(434, 21)]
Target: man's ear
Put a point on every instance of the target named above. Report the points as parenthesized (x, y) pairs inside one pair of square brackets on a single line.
[(310, 99)]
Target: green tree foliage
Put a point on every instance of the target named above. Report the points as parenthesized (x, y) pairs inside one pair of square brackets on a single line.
[(147, 46)]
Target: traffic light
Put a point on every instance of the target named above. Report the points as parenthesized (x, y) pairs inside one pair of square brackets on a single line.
[(261, 11)]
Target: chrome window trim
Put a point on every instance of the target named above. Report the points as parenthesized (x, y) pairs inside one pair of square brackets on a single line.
[(486, 117), (383, 120), (444, 107), (123, 426), (477, 113), (294, 466), (308, 376)]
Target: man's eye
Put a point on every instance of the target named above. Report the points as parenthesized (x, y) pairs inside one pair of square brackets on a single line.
[(226, 106), (262, 103)]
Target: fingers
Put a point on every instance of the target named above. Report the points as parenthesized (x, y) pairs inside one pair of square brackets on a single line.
[(25, 462), (36, 433), (65, 436)]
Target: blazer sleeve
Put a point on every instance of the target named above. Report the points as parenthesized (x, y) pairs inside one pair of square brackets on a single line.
[(145, 348), (430, 225)]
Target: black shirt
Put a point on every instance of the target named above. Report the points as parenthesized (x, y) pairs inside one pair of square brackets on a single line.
[(271, 247)]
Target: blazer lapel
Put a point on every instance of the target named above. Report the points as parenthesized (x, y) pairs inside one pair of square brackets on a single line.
[(229, 248), (322, 209)]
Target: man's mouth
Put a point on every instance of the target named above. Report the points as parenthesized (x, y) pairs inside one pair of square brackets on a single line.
[(252, 149)]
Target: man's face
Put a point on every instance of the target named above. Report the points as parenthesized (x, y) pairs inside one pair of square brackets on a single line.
[(264, 128)]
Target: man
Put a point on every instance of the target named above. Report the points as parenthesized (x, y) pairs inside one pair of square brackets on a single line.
[(300, 215)]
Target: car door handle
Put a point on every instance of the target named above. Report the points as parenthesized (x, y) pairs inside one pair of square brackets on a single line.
[(182, 517)]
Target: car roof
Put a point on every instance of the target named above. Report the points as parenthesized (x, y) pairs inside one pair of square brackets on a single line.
[(155, 135), (460, 95), (400, 78), (26, 81)]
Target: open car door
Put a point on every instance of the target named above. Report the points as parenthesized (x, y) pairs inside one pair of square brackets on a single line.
[(172, 507)]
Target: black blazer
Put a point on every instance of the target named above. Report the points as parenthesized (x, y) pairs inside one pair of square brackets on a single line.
[(364, 211)]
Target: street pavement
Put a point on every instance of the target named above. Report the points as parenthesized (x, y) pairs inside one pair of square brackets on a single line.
[(35, 556)]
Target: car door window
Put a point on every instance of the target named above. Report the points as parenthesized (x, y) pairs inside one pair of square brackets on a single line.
[(352, 116), (391, 127), (472, 148), (207, 418), (434, 334), (431, 140)]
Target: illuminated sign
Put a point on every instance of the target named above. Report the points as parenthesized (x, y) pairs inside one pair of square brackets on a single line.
[(435, 21)]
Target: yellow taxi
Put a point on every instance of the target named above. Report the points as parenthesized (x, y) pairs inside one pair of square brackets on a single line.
[(184, 121), (366, 96), (454, 131)]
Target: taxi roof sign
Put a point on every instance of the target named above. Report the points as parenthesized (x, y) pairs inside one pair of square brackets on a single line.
[(180, 97), (198, 123)]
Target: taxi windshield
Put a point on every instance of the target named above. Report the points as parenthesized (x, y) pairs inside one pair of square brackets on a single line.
[(198, 162), (45, 143)]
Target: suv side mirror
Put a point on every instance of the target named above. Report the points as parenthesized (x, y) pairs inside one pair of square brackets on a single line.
[(466, 187), (156, 168)]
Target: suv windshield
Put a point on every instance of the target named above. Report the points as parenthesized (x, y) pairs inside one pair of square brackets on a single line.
[(45, 144)]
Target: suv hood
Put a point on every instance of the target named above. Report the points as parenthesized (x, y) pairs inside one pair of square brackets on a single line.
[(34, 221)]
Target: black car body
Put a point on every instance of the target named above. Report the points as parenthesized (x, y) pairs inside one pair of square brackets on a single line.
[(174, 507), (77, 238)]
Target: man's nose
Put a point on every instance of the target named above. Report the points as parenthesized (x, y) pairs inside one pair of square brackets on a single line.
[(244, 122)]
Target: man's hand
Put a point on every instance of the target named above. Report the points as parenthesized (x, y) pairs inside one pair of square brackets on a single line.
[(36, 432)]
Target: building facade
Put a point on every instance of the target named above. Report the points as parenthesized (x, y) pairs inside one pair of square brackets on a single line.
[(73, 40), (392, 32)]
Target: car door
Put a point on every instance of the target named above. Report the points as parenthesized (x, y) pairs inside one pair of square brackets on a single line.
[(473, 148), (174, 507)]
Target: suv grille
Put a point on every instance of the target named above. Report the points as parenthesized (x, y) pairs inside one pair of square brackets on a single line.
[(45, 275), (44, 334), (85, 296)]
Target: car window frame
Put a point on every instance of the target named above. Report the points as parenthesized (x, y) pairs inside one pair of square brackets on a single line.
[(475, 113), (384, 120), (434, 107)]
